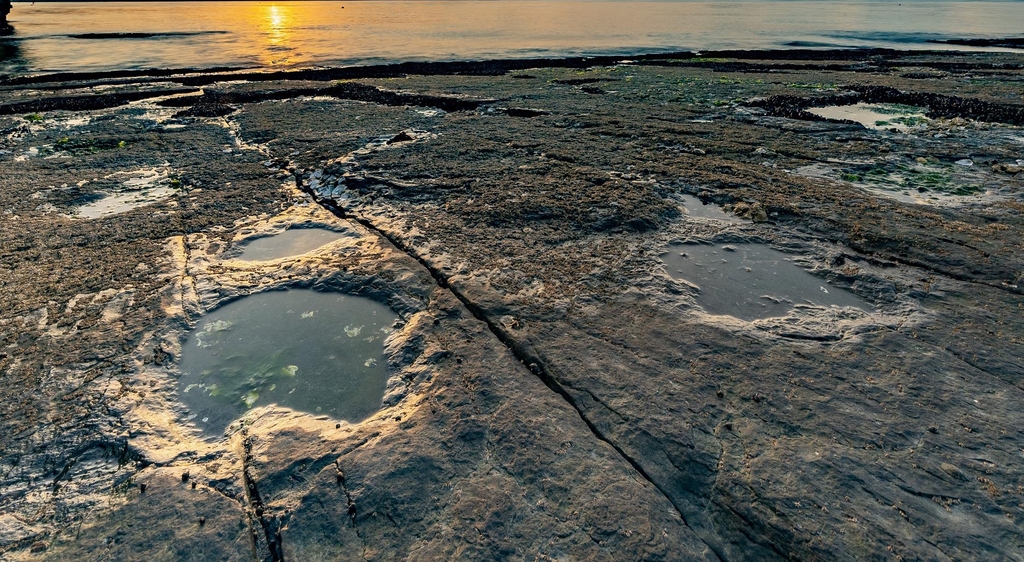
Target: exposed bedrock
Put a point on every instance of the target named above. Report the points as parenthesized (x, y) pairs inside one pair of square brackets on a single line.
[(555, 387)]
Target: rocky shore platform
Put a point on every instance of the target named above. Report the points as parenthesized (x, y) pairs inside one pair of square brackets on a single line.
[(719, 306)]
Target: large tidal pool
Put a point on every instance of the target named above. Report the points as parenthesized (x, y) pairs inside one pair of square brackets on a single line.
[(315, 352)]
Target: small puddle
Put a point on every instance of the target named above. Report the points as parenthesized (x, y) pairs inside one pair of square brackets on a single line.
[(138, 188), (697, 208), (751, 281), (292, 242), (117, 203), (878, 116), (316, 352)]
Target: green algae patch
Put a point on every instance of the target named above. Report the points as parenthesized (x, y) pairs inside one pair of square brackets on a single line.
[(916, 177)]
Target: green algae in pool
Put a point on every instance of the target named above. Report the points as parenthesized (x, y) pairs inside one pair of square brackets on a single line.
[(876, 116), (316, 352), (292, 242), (751, 281)]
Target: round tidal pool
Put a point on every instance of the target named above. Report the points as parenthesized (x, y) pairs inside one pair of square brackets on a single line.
[(316, 352)]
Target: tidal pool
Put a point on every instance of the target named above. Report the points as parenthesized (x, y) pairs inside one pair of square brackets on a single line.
[(292, 242), (880, 116), (921, 182), (117, 203), (751, 281), (137, 188), (697, 208), (316, 352)]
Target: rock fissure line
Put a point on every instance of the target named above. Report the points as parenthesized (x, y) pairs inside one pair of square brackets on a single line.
[(186, 278), (530, 360), (348, 496), (268, 543), (340, 474), (965, 359)]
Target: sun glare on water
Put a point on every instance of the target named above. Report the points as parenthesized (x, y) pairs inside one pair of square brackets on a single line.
[(275, 23)]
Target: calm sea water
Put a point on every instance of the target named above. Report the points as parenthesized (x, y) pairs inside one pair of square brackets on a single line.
[(125, 35)]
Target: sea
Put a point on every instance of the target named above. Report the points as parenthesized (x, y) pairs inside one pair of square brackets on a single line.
[(101, 36)]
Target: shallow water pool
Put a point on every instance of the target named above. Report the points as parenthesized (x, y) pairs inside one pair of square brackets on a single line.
[(137, 188), (751, 281), (879, 116), (316, 352), (699, 209), (292, 242)]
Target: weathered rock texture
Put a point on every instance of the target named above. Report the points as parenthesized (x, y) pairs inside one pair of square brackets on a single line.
[(556, 394)]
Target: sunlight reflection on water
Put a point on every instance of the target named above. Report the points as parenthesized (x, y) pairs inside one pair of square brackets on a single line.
[(119, 35), (278, 33)]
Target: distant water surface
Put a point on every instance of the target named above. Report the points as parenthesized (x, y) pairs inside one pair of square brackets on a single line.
[(123, 35)]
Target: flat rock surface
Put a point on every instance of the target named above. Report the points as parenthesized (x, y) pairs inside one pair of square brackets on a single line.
[(555, 390)]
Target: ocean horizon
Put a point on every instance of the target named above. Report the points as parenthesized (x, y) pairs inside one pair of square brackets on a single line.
[(104, 36)]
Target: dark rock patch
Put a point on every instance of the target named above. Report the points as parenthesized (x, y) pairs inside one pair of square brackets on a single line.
[(525, 112)]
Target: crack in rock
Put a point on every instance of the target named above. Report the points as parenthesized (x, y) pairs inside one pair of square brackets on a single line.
[(268, 543), (348, 496)]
